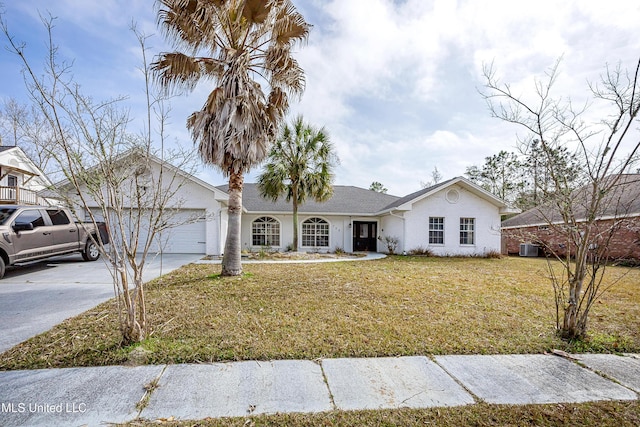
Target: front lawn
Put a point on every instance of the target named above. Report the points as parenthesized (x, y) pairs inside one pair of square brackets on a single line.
[(391, 307)]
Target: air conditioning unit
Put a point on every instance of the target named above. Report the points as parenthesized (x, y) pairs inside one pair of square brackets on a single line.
[(528, 249)]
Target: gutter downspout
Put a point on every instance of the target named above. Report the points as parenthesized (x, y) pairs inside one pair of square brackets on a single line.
[(404, 231), (219, 237)]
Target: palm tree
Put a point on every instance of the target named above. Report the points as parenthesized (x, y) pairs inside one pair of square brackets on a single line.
[(246, 51), (300, 165)]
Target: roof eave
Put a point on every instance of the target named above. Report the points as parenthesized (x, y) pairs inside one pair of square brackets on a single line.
[(509, 210), (600, 218)]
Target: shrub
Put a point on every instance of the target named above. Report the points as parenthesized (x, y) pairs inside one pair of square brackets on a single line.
[(493, 254), (421, 251), (264, 251), (391, 242)]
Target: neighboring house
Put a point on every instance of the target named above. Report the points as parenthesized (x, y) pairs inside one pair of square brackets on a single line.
[(618, 222), (20, 178), (455, 217)]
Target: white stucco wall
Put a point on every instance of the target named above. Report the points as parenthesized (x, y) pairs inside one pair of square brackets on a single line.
[(468, 205), (192, 196), (392, 225), (191, 199), (410, 227), (340, 232)]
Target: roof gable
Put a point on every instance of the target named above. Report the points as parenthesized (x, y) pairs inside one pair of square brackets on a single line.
[(406, 202), (221, 196), (13, 158)]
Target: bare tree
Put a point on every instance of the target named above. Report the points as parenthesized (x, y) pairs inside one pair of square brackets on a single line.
[(111, 175), (436, 177), (608, 149), (24, 126)]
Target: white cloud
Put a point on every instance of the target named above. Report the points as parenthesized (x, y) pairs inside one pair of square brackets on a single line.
[(418, 65), (394, 82)]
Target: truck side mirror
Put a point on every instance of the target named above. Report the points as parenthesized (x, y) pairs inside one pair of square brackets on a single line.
[(22, 226)]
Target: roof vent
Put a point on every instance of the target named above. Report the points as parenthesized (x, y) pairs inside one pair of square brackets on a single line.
[(453, 196)]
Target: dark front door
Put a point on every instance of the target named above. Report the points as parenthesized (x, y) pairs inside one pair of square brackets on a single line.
[(364, 236)]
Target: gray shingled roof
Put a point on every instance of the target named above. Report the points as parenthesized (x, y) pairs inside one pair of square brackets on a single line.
[(401, 201), (623, 200), (345, 199)]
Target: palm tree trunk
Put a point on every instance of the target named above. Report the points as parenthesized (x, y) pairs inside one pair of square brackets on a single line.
[(231, 261), (294, 198), (295, 225)]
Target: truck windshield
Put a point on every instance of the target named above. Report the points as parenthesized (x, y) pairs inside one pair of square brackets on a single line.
[(5, 213)]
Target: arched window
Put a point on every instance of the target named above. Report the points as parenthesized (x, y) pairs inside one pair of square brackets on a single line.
[(265, 231), (315, 233)]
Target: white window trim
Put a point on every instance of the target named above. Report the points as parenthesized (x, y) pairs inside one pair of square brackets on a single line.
[(430, 230), (301, 234), (279, 231), (460, 231)]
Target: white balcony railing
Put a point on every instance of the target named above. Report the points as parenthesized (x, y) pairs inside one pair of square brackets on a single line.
[(18, 196)]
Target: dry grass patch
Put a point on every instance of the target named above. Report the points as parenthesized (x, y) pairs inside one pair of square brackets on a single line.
[(601, 414), (391, 307)]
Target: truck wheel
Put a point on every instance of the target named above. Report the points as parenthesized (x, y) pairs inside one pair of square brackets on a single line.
[(91, 251), (2, 268)]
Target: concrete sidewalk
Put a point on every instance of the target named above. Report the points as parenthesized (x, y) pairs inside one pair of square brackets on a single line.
[(117, 394)]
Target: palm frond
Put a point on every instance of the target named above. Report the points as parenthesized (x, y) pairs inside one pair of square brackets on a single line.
[(256, 11), (244, 40), (300, 162), (285, 70), (176, 69), (290, 26)]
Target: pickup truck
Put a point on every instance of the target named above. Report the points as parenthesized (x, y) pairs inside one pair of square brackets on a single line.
[(29, 233)]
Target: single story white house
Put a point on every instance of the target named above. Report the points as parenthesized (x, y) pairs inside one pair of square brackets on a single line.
[(454, 217)]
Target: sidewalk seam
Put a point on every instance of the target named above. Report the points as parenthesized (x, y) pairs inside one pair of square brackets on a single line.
[(456, 380), (606, 376), (326, 382), (149, 389)]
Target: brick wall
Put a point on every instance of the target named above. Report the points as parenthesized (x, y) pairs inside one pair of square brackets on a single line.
[(621, 237)]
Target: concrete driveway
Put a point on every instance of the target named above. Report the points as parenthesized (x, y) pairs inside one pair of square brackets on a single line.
[(37, 296)]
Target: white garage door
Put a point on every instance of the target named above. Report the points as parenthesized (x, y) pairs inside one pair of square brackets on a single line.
[(187, 237)]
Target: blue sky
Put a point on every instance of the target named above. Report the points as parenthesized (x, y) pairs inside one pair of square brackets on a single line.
[(395, 83)]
